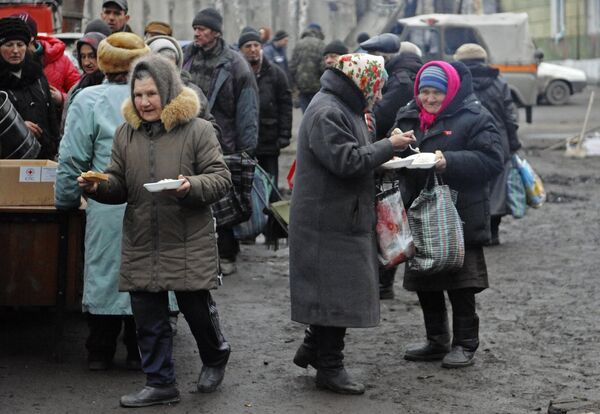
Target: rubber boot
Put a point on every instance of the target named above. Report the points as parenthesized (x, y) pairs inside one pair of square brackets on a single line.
[(386, 282), (331, 374), (307, 352), (464, 343), (438, 340)]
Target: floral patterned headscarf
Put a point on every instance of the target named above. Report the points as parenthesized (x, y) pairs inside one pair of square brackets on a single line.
[(366, 71)]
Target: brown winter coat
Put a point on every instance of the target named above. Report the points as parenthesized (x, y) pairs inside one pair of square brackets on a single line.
[(168, 243)]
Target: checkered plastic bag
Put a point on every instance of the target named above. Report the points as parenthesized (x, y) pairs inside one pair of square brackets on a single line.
[(437, 230), (236, 206)]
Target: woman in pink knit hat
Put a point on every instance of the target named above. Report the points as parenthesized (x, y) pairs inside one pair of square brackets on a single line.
[(449, 120)]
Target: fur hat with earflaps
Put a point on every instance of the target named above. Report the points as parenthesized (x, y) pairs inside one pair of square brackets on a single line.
[(117, 51)]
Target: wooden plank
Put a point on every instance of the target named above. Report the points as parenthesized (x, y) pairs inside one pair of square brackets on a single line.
[(574, 406)]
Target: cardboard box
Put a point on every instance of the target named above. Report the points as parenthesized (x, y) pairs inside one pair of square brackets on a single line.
[(27, 182)]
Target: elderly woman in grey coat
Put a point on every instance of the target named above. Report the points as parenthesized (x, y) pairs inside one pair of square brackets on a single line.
[(169, 238), (333, 252)]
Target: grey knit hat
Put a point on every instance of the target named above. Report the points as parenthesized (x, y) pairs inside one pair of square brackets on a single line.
[(98, 25), (163, 72), (248, 34), (336, 46), (280, 34), (210, 18)]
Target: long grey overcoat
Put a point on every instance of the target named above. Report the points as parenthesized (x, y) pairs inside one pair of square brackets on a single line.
[(333, 252)]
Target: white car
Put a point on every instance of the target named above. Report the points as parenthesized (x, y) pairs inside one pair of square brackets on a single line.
[(557, 83)]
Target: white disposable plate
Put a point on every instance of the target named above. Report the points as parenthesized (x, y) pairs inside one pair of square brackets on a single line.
[(163, 185), (397, 162), (422, 160)]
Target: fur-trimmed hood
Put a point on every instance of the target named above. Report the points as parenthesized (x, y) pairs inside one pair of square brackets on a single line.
[(181, 110)]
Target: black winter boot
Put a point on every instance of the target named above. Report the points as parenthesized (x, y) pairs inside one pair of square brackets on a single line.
[(331, 374), (307, 352), (438, 340), (464, 343), (386, 282), (495, 229)]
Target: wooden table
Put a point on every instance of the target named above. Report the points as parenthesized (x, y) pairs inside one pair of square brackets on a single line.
[(41, 257)]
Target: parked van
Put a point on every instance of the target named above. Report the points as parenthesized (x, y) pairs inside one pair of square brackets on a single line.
[(505, 37)]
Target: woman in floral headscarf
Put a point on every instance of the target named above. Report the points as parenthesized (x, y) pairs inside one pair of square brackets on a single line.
[(333, 254)]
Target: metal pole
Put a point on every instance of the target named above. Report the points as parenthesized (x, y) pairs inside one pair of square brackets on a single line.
[(459, 7)]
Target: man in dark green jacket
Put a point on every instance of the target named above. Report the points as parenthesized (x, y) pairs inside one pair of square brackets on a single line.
[(306, 65)]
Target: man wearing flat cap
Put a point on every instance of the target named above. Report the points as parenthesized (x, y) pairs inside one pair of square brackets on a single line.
[(276, 51), (385, 44), (227, 81), (114, 14), (275, 102), (402, 62), (402, 68)]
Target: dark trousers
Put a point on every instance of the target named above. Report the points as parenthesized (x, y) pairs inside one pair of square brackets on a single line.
[(104, 331), (228, 245), (304, 99), (462, 300), (329, 344), (495, 225), (387, 276), (155, 339), (270, 163)]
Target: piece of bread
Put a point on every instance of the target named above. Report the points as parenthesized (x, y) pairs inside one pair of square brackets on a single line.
[(94, 176)]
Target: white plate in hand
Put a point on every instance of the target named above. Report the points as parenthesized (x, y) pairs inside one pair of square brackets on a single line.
[(422, 160), (396, 162), (163, 185)]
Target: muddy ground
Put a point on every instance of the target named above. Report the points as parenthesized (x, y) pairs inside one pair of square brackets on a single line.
[(540, 335)]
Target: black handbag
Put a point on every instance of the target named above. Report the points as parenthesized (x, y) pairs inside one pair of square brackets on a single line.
[(236, 206)]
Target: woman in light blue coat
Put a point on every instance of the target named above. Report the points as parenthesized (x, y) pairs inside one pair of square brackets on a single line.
[(92, 119)]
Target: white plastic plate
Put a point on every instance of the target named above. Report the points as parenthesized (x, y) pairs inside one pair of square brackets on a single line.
[(163, 185), (422, 160), (397, 162)]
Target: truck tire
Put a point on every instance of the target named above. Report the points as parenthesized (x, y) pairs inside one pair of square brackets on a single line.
[(558, 92)]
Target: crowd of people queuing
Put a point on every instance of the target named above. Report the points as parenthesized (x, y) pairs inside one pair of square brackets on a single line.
[(141, 109)]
